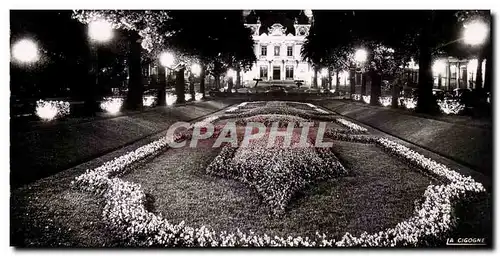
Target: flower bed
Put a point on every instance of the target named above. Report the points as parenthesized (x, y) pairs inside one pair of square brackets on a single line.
[(112, 105), (49, 110), (127, 216), (366, 99), (356, 97), (354, 128), (408, 103), (276, 172), (450, 106), (385, 101)]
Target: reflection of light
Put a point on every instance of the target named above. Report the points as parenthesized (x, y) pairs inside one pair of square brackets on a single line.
[(360, 55), (48, 110), (100, 30), (196, 69), (112, 105), (324, 72), (475, 33), (167, 59), (25, 51), (439, 67), (148, 101)]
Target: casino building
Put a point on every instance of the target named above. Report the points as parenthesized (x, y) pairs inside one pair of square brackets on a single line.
[(278, 43)]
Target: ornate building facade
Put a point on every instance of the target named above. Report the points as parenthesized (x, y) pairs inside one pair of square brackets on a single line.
[(279, 61)]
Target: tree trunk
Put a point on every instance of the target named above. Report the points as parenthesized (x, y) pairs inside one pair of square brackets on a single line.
[(375, 88), (363, 83), (162, 86), (135, 86), (315, 81), (337, 83), (202, 80), (238, 77), (395, 94), (91, 105), (217, 81), (191, 87), (329, 79), (479, 74), (230, 85), (426, 103), (179, 85), (352, 80)]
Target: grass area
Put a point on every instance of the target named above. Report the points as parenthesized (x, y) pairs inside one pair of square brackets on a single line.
[(379, 192), (47, 150), (470, 145), (375, 196)]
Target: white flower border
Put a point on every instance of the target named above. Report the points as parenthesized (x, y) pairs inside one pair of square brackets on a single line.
[(125, 212)]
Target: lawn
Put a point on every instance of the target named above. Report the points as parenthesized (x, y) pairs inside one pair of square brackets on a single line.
[(363, 190)]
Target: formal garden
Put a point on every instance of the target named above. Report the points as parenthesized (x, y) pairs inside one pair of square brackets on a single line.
[(360, 190)]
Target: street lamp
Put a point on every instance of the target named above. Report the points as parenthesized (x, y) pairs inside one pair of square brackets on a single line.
[(100, 31), (475, 33), (360, 55), (196, 69), (25, 51), (167, 59)]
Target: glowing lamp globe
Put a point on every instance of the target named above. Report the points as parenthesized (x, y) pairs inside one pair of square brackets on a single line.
[(360, 55), (167, 59), (475, 33), (196, 69), (25, 51), (324, 72), (100, 31)]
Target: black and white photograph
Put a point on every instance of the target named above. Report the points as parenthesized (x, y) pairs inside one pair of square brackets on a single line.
[(250, 127)]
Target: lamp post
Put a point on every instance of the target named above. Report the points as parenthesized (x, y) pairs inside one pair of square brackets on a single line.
[(25, 53), (475, 34), (360, 57), (194, 71), (167, 61), (324, 75), (99, 32), (230, 75)]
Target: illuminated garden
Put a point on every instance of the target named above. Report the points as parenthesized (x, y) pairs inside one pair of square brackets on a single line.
[(150, 128)]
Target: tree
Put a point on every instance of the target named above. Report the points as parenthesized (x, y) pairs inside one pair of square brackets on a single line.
[(146, 29), (195, 39), (322, 50)]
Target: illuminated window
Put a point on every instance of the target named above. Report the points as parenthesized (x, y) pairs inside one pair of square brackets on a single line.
[(263, 50), (289, 51), (289, 72), (276, 51), (263, 72)]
